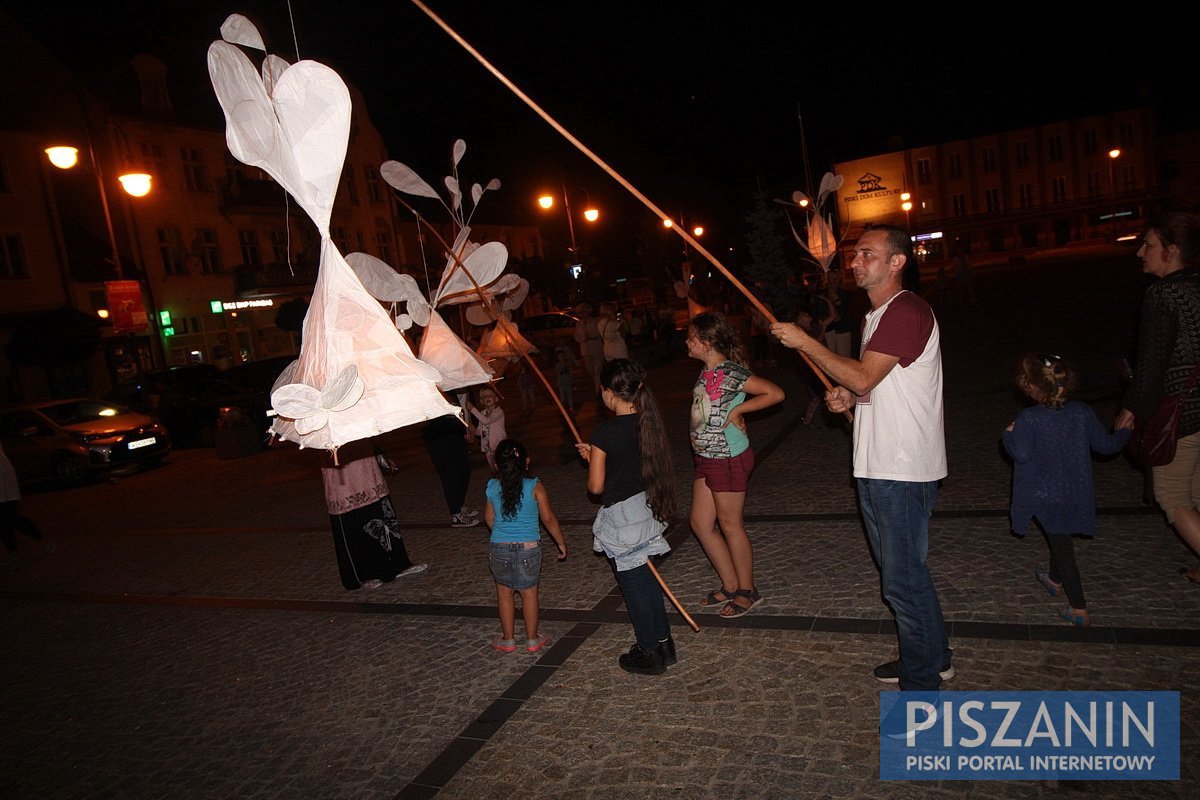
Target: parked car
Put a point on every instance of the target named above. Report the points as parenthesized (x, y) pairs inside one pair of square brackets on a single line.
[(193, 410), (258, 376), (71, 440), (549, 330), (142, 393)]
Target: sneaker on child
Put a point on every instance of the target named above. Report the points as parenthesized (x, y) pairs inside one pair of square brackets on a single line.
[(460, 521), (890, 672), (467, 512)]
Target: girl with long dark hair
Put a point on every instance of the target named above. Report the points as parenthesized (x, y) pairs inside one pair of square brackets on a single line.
[(629, 466)]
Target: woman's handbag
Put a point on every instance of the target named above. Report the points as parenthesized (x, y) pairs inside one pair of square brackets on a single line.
[(1153, 440)]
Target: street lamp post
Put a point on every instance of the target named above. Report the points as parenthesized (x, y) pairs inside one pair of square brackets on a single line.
[(1113, 155), (135, 184), (590, 213), (906, 205)]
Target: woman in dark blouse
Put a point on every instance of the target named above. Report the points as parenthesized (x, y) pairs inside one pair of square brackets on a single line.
[(1168, 351)]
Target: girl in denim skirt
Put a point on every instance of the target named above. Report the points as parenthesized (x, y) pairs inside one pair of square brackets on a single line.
[(515, 503), (629, 466)]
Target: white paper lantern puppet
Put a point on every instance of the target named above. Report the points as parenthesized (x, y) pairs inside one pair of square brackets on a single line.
[(356, 375), (820, 243)]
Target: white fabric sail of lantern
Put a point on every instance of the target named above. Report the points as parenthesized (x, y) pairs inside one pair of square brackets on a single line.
[(356, 375)]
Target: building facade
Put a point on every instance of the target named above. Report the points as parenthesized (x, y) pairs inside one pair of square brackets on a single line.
[(1046, 186)]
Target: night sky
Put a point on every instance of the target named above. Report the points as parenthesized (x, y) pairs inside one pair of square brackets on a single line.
[(695, 103)]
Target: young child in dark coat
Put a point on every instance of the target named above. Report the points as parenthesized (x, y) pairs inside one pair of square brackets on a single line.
[(1051, 445)]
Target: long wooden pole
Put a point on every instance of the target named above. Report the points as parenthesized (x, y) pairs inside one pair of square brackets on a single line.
[(553, 123)]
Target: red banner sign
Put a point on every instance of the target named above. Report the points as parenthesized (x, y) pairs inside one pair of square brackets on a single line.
[(125, 308)]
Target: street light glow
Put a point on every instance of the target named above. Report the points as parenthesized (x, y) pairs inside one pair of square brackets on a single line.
[(62, 156), (1114, 153), (546, 201), (668, 223), (135, 183), (591, 215), (698, 230)]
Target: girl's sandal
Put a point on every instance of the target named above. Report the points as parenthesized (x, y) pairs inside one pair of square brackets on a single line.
[(734, 609), (711, 598)]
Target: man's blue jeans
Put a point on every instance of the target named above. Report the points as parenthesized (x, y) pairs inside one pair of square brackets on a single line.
[(896, 514)]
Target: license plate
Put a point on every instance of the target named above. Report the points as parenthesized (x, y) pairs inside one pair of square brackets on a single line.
[(135, 444)]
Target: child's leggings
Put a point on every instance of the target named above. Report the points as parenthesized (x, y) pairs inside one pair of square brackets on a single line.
[(1063, 568)]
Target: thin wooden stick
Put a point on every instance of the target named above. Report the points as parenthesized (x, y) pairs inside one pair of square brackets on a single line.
[(553, 123), (671, 596), (509, 331)]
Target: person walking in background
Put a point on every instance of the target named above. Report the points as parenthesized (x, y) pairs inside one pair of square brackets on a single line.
[(445, 440), (724, 393), (612, 332), (591, 348), (964, 285), (899, 444), (11, 520), (1051, 446), (564, 375), (629, 467), (490, 430), (1168, 354), (839, 334), (366, 535), (516, 502)]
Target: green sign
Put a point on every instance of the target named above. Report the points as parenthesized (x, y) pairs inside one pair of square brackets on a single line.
[(216, 306), (164, 319)]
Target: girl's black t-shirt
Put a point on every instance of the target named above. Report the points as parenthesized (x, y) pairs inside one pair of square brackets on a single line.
[(618, 438)]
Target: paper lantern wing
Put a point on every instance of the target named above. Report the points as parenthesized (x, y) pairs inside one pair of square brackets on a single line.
[(450, 355)]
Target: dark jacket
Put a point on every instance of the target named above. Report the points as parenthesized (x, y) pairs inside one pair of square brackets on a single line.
[(1168, 348)]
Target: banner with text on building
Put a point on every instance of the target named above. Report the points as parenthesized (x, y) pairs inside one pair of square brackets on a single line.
[(125, 308), (1116, 736)]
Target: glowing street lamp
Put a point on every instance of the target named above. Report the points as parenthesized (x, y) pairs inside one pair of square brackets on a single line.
[(136, 184), (1113, 155), (906, 205), (590, 213)]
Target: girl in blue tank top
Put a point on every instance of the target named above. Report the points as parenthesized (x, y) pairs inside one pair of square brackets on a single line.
[(516, 503)]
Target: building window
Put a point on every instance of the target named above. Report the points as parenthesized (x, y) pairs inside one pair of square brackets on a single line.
[(992, 198), (959, 203), (956, 165), (207, 250), (154, 162), (1128, 180), (248, 241), (12, 257), (195, 177), (338, 234), (383, 242), (1025, 194), (1093, 183), (1125, 137), (374, 188), (279, 246), (989, 159), (351, 186), (1021, 153), (1058, 189), (170, 250), (924, 171), (1090, 138), (1056, 148)]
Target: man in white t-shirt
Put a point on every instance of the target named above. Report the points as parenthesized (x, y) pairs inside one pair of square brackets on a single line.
[(895, 387)]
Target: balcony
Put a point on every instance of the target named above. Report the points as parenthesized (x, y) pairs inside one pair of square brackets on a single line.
[(249, 195), (275, 275)]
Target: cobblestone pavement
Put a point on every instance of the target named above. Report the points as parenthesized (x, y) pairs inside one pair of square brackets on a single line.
[(190, 639)]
